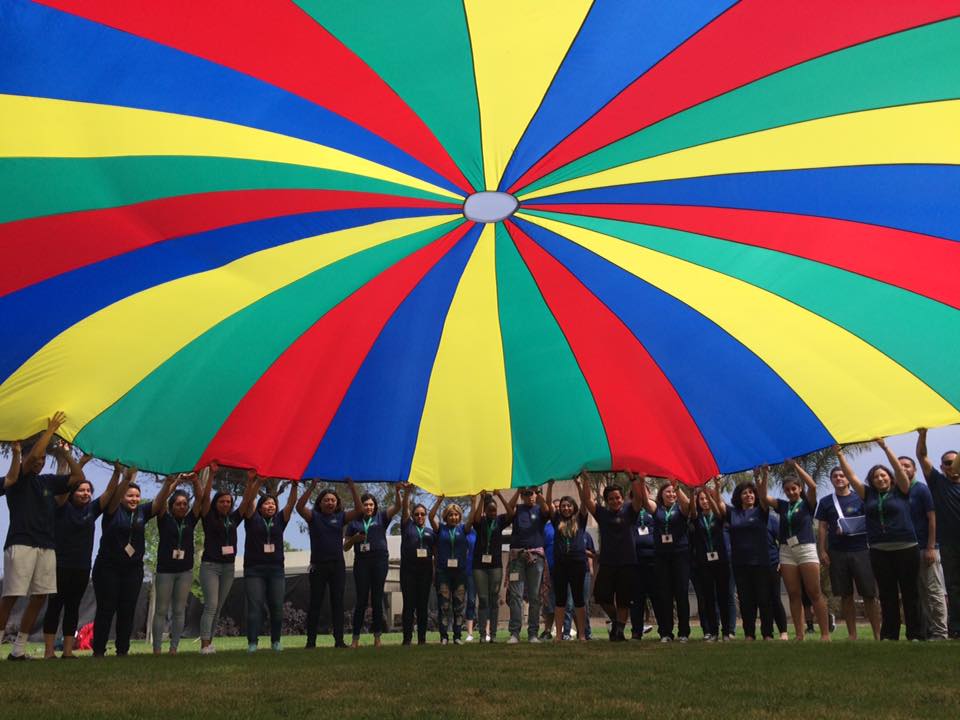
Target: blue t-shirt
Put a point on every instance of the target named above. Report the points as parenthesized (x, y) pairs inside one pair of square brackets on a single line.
[(573, 547), (671, 522), (413, 538), (375, 528), (852, 506), (74, 528), (489, 542), (220, 531), (708, 538), (32, 504), (326, 537), (748, 535), (452, 544), (261, 531), (773, 539), (921, 502), (471, 544), (616, 535), (946, 502), (120, 529), (796, 519), (175, 535), (528, 524), (643, 536), (888, 517)]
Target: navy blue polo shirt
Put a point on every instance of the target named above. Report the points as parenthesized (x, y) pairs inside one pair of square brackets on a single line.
[(888, 517), (852, 506), (121, 528), (946, 501), (528, 524), (573, 547), (489, 542), (921, 502), (796, 519), (175, 535), (708, 538), (326, 536), (412, 538), (220, 531), (672, 522), (375, 528), (74, 528), (748, 536), (261, 531), (643, 541), (32, 505), (616, 535), (451, 543)]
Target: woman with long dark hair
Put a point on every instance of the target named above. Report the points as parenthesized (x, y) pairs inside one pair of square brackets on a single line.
[(710, 557), (569, 560), (671, 545), (417, 547)]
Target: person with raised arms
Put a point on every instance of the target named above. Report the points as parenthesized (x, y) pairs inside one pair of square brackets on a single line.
[(452, 569), (645, 582), (264, 578), (326, 523), (118, 569), (569, 560), (944, 486), (367, 536), (893, 542), (417, 547), (173, 579), (710, 556), (527, 561), (488, 563), (616, 521), (75, 525)]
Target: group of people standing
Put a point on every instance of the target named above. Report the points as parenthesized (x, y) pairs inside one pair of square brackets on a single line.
[(885, 535)]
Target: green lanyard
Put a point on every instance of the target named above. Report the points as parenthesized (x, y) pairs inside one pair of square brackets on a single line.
[(667, 514), (643, 517), (791, 511), (269, 525), (420, 532), (452, 532), (707, 521), (227, 524), (180, 527), (880, 499), (491, 526)]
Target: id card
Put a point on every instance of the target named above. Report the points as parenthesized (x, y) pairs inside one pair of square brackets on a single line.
[(666, 538), (792, 541), (268, 547), (178, 554), (130, 550), (226, 550), (642, 530), (486, 559), (421, 552), (514, 577), (364, 547), (452, 563), (713, 557)]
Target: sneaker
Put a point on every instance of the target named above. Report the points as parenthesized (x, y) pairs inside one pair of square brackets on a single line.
[(709, 638), (683, 640), (647, 629), (17, 658), (457, 641), (208, 650), (546, 635), (513, 640), (252, 648), (567, 637), (444, 641), (468, 638), (533, 639), (666, 639), (276, 646), (486, 638), (730, 637)]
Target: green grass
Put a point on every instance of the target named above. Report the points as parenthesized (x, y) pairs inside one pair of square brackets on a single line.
[(596, 680)]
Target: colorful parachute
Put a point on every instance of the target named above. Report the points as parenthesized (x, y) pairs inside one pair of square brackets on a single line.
[(286, 235)]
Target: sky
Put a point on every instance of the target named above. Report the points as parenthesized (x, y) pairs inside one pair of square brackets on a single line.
[(939, 440)]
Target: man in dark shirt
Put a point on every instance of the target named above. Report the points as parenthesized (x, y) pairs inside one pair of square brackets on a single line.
[(944, 486), (29, 555)]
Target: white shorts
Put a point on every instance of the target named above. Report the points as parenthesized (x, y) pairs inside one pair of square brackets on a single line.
[(29, 571), (799, 554)]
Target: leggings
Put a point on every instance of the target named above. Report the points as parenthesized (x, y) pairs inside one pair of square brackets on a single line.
[(672, 571), (416, 579), (172, 591), (117, 589), (568, 573), (644, 588), (216, 579), (896, 573), (451, 599), (488, 582), (264, 584), (753, 588), (369, 576), (332, 574), (714, 581), (776, 602), (71, 585)]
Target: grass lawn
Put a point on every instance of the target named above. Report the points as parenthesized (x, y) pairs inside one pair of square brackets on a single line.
[(596, 680)]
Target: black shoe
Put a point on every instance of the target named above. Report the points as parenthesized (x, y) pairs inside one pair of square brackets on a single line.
[(340, 644), (19, 658), (310, 645)]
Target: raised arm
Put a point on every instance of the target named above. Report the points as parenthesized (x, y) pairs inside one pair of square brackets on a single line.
[(547, 505), (302, 509), (648, 503), (108, 494), (899, 474), (247, 505), (357, 511), (476, 510), (291, 500), (767, 501), (39, 449), (808, 481), (586, 497), (848, 471), (922, 456), (160, 501), (63, 455), (638, 485), (432, 516), (397, 500), (681, 496), (13, 474), (129, 475), (713, 497), (511, 506), (211, 473), (197, 494)]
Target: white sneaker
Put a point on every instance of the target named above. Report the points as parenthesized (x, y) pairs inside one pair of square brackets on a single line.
[(533, 639), (666, 639), (469, 638), (486, 638), (514, 640), (208, 650), (683, 640)]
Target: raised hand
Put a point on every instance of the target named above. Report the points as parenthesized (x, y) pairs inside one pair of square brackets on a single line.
[(58, 419)]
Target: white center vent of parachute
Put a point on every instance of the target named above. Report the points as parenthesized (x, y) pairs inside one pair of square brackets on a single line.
[(489, 207)]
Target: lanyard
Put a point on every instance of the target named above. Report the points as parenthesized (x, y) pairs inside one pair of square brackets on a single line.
[(791, 511), (180, 527), (880, 498), (366, 525), (707, 521), (133, 515), (227, 524), (452, 532), (420, 532), (491, 526), (667, 514), (269, 525)]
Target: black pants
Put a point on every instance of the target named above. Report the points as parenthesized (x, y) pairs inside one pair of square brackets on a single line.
[(116, 589), (331, 574), (672, 572), (644, 589), (753, 588), (776, 602), (568, 573), (416, 580), (711, 580), (71, 585), (896, 573), (369, 576)]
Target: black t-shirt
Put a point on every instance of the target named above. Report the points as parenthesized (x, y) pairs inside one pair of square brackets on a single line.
[(414, 538), (375, 528), (32, 505), (573, 547), (946, 504), (175, 549), (219, 532), (74, 528), (673, 523), (616, 535), (260, 532), (708, 538), (528, 524), (124, 528), (489, 542), (326, 537)]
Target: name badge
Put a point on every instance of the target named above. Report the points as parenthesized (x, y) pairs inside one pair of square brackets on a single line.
[(792, 540), (268, 547), (713, 557), (452, 563), (514, 577), (486, 559), (641, 530), (130, 550), (178, 554), (666, 538), (226, 550), (421, 552), (364, 547)]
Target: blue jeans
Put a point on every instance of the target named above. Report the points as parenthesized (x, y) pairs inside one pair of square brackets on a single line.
[(451, 597), (171, 591), (529, 575), (487, 582), (568, 613), (216, 579), (264, 584)]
